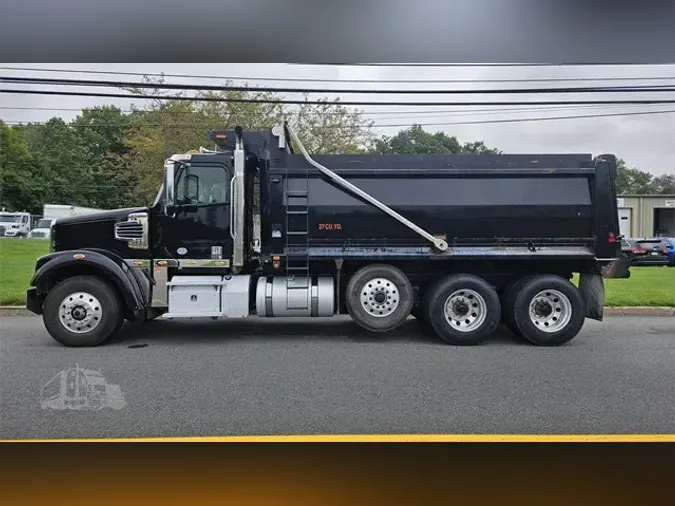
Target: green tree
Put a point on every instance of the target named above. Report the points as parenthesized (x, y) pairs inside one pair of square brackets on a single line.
[(102, 132), (331, 128), (632, 181), (163, 128), (19, 187), (416, 141), (59, 168), (665, 184)]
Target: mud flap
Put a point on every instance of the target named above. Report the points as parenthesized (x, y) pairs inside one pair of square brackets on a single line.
[(592, 288), (619, 268)]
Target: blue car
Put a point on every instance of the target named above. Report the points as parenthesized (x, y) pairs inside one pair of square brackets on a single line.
[(670, 250)]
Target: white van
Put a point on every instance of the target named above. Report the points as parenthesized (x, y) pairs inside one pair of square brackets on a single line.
[(14, 224)]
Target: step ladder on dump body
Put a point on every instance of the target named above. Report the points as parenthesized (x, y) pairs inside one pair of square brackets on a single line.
[(297, 240)]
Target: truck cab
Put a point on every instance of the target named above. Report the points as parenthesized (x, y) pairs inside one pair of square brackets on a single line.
[(42, 229), (254, 228)]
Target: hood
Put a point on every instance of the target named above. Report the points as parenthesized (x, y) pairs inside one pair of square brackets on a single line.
[(113, 214)]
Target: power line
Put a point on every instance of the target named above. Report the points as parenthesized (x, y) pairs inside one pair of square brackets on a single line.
[(325, 80), (339, 102), (198, 87), (197, 124), (433, 112), (544, 118)]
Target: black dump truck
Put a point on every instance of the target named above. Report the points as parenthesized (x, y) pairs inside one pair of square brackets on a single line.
[(258, 227)]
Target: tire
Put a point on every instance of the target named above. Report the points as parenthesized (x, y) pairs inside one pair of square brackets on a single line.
[(419, 309), (104, 314), (464, 309), (95, 403), (117, 328), (423, 310), (508, 300), (379, 280), (561, 314)]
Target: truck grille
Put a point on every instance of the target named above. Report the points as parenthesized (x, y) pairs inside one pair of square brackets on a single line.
[(134, 231), (39, 234)]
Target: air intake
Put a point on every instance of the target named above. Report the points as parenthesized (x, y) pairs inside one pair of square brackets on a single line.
[(134, 230)]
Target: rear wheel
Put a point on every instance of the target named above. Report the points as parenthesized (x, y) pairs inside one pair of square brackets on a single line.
[(379, 297), (508, 300), (464, 309), (548, 310), (82, 311), (421, 308)]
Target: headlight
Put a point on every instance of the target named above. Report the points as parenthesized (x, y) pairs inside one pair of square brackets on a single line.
[(15, 226)]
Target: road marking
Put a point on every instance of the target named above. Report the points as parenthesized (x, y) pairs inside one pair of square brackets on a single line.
[(383, 438)]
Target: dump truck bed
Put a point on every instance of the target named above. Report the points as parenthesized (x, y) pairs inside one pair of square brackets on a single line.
[(498, 201)]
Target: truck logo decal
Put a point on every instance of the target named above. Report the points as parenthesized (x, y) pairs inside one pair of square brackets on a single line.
[(181, 251), (81, 389), (216, 252), (330, 226)]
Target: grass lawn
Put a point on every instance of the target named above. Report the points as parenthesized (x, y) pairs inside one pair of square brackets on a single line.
[(647, 286), (17, 264)]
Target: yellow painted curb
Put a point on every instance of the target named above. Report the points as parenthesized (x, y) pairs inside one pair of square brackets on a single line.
[(385, 438)]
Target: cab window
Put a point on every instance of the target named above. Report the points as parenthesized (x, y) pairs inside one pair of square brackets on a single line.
[(203, 184)]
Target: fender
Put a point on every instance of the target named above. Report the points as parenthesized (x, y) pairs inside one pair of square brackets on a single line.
[(88, 261)]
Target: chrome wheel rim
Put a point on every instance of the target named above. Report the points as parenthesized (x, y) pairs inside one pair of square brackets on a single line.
[(465, 310), (380, 297), (80, 312), (550, 310)]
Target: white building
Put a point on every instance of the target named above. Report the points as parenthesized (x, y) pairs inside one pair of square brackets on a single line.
[(647, 215)]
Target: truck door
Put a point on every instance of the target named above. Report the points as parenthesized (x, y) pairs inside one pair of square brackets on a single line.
[(197, 227)]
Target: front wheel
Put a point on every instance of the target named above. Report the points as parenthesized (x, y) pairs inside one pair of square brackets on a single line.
[(549, 310), (82, 311)]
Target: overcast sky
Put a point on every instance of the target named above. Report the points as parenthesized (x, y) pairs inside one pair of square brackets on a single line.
[(644, 141)]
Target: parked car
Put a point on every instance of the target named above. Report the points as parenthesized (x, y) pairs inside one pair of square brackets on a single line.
[(649, 251), (670, 248)]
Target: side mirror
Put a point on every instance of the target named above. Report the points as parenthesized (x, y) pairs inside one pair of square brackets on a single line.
[(169, 178)]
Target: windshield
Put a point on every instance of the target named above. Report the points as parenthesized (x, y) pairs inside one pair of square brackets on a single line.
[(43, 224), (10, 218)]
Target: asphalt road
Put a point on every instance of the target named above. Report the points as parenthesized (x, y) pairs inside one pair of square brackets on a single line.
[(326, 376)]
